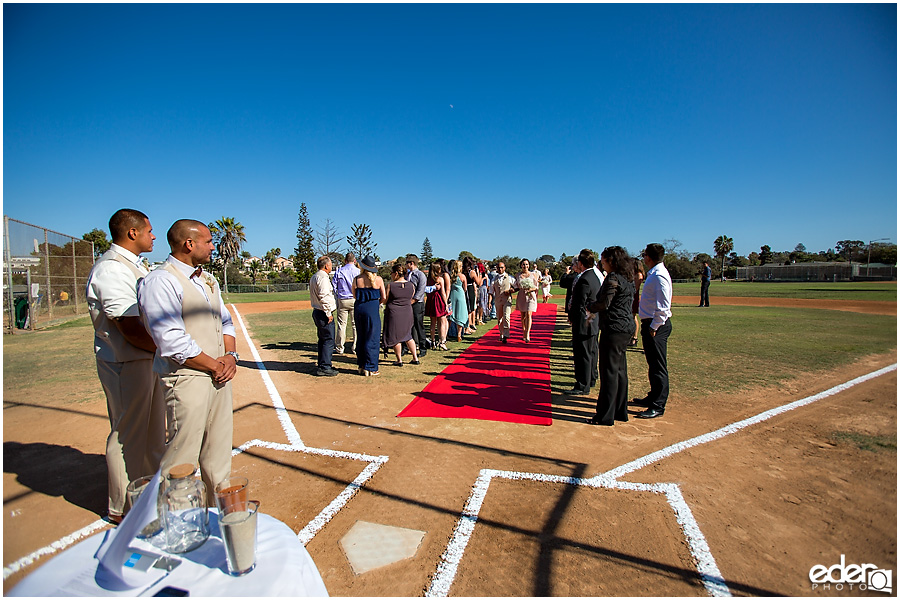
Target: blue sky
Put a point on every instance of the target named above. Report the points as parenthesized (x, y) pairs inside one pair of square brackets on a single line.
[(571, 125)]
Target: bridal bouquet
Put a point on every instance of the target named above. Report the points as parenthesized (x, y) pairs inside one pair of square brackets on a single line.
[(526, 284)]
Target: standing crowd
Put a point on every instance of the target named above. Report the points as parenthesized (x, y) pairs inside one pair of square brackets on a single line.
[(165, 343)]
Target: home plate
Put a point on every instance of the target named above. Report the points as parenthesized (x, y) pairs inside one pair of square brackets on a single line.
[(370, 545)]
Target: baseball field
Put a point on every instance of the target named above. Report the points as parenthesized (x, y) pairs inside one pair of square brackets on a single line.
[(777, 452)]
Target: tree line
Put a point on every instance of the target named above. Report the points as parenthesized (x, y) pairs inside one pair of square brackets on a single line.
[(328, 240)]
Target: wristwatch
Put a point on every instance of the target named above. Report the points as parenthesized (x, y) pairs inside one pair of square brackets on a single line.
[(236, 356)]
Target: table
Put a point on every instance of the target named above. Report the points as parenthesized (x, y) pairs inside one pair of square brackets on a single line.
[(283, 568)]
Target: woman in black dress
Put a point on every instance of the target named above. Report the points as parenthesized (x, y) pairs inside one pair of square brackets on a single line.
[(398, 315), (613, 308)]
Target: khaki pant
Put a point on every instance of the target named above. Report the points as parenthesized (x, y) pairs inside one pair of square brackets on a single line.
[(504, 310), (344, 307), (135, 402), (200, 426)]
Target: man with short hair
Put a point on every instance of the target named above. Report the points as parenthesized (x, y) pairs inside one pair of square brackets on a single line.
[(321, 296), (135, 400), (503, 289), (195, 357), (585, 343), (655, 313), (418, 279), (342, 280), (705, 276)]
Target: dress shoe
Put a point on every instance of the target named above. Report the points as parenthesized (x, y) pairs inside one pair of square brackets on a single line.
[(503, 340), (650, 413), (577, 391), (596, 421), (640, 402), (326, 372)]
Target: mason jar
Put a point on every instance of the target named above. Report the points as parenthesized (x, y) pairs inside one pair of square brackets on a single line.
[(186, 518)]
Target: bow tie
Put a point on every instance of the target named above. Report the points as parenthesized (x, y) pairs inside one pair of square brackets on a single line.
[(197, 272)]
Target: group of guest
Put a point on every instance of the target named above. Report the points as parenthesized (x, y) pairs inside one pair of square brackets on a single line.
[(610, 305), (357, 289)]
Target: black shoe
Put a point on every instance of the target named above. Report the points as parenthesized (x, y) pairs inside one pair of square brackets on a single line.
[(422, 352), (577, 391), (596, 421), (329, 372), (650, 413), (503, 340), (640, 402)]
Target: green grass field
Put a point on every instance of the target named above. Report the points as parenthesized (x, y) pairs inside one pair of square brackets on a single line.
[(855, 290), (723, 350)]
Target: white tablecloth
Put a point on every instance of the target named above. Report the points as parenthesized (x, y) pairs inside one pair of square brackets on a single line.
[(283, 568)]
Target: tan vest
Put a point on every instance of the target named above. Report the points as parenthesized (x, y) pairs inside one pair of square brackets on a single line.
[(202, 321), (107, 335)]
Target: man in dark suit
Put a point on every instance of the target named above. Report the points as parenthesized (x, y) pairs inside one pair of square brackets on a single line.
[(584, 331)]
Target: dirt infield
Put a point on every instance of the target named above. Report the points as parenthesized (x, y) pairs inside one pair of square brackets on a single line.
[(772, 499)]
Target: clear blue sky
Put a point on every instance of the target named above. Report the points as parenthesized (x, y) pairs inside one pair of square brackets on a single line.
[(571, 126)]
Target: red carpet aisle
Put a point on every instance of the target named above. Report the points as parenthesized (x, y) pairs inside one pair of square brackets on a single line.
[(493, 381)]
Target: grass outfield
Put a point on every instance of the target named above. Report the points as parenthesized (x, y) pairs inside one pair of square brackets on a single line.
[(727, 350), (849, 290), (855, 290)]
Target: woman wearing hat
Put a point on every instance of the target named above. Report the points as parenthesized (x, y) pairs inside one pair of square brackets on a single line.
[(369, 291)]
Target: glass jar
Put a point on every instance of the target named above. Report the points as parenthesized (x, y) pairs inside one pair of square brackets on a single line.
[(186, 518)]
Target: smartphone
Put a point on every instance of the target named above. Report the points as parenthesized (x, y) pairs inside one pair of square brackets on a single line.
[(171, 592)]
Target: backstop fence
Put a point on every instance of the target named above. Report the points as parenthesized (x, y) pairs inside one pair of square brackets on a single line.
[(819, 271), (45, 274)]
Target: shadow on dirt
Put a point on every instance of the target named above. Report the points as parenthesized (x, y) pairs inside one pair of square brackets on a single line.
[(58, 471)]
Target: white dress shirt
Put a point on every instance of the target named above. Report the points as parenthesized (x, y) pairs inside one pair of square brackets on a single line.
[(160, 298), (599, 273), (321, 293), (656, 296), (112, 290)]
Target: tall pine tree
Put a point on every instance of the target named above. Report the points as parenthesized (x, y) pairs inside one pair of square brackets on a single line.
[(304, 254), (427, 256), (360, 241)]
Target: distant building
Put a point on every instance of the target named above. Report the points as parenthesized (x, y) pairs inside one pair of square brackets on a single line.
[(281, 263)]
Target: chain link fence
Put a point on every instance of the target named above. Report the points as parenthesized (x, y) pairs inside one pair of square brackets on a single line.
[(45, 275), (266, 287)]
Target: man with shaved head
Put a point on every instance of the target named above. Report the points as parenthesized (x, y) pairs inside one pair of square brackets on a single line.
[(124, 353), (195, 357)]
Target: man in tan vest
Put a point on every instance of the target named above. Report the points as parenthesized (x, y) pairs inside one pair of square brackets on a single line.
[(124, 351), (195, 357)]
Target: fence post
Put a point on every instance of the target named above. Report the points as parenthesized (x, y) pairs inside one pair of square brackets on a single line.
[(10, 305), (47, 269), (74, 279)]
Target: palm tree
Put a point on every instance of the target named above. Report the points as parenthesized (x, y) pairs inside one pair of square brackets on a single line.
[(723, 245), (255, 268), (228, 236)]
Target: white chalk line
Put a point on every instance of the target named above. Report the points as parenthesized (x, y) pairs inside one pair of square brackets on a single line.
[(296, 445), (709, 572), (23, 562)]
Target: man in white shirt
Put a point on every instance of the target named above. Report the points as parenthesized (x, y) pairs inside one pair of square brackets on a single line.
[(195, 357), (655, 313), (321, 296), (124, 352)]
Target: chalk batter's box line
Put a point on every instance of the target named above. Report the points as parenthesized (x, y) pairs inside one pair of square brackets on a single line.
[(700, 552), (296, 445)]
